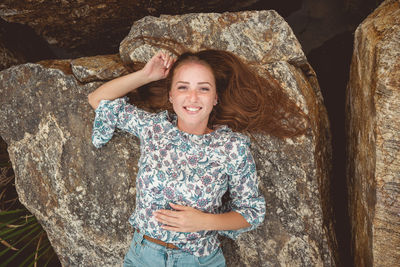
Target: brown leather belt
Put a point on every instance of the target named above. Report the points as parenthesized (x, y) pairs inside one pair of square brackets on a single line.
[(158, 242)]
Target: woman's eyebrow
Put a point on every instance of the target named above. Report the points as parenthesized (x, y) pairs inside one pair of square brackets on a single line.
[(189, 82), (204, 83)]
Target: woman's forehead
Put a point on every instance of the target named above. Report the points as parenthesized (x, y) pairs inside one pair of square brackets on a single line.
[(193, 70)]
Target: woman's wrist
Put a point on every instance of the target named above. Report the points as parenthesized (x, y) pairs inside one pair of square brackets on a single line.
[(225, 221), (143, 77), (209, 222)]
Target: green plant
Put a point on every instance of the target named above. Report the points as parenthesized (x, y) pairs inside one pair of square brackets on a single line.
[(23, 242)]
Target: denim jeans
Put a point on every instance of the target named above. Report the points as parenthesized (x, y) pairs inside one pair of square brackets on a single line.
[(144, 253)]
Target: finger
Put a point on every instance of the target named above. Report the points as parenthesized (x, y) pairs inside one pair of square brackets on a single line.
[(166, 60), (170, 213), (160, 57), (165, 219), (171, 61), (178, 207), (171, 221)]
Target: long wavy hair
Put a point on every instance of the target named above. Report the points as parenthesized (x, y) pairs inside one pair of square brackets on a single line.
[(247, 102)]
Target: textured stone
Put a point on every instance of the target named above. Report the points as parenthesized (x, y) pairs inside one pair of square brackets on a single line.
[(234, 32), (83, 196), (89, 27), (98, 68), (373, 133)]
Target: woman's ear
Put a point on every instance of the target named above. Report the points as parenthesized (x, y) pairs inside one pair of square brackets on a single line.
[(170, 97), (216, 100)]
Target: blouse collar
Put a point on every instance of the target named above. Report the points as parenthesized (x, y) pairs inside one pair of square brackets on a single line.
[(202, 139)]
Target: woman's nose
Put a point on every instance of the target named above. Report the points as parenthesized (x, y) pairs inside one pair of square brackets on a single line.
[(193, 95)]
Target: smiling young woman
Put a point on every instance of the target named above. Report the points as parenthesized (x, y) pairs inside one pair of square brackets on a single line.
[(193, 153), (193, 95)]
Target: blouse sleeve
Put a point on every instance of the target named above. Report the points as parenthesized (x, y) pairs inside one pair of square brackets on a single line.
[(243, 188), (111, 114)]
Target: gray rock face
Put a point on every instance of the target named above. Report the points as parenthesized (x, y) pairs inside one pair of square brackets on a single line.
[(373, 133), (83, 196), (87, 26), (257, 37), (68, 185)]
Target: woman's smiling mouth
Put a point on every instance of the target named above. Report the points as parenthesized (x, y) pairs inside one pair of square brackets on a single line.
[(192, 109)]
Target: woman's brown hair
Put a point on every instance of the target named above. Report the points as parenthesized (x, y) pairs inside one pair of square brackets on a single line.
[(247, 102)]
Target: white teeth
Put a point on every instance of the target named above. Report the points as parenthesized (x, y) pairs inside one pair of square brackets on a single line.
[(192, 109)]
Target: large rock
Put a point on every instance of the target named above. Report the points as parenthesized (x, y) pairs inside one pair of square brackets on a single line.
[(90, 27), (373, 133), (83, 196)]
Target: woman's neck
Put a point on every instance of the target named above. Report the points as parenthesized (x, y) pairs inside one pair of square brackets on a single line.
[(194, 129)]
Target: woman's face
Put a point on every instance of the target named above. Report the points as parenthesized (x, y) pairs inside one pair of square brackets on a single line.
[(193, 95)]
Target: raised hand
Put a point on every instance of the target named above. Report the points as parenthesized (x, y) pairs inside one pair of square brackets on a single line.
[(158, 66)]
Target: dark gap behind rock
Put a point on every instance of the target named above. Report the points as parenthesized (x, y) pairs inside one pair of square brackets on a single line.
[(331, 62)]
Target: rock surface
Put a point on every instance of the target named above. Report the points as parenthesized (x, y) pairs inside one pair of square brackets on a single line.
[(88, 27), (373, 133), (98, 68), (83, 196), (236, 32)]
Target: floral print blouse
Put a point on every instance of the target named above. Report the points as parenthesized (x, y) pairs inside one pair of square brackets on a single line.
[(186, 169)]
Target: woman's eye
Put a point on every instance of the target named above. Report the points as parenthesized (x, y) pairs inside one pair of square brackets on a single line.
[(205, 89), (181, 87)]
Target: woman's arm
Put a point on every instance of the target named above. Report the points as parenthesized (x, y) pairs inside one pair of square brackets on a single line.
[(156, 69), (227, 221), (188, 219)]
